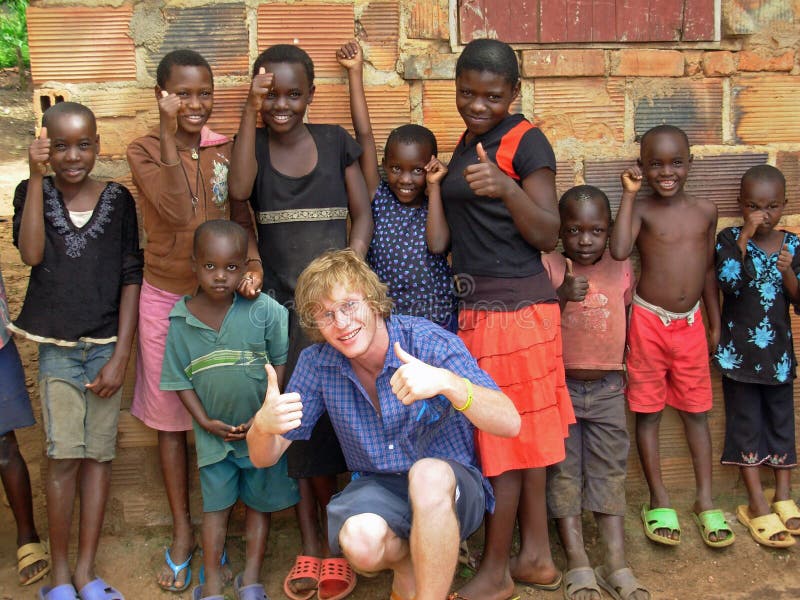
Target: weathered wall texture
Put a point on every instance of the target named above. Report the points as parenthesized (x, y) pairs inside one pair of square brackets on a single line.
[(736, 98)]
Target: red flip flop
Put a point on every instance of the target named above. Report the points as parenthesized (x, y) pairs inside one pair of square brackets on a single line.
[(305, 567), (336, 579)]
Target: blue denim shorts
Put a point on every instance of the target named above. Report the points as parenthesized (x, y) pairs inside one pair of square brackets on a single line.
[(77, 422)]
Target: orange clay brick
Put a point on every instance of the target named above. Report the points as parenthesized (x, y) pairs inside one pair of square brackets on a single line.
[(648, 63), (428, 21), (719, 64), (563, 63), (748, 60)]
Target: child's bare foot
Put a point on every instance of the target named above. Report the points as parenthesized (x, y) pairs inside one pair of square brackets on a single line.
[(536, 572), (622, 582), (704, 513), (175, 578), (661, 523), (486, 585), (32, 561), (760, 507)]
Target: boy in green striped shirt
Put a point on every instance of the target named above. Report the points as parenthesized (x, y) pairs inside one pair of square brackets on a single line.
[(217, 347)]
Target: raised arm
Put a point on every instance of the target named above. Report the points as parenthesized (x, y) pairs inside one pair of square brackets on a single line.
[(244, 166), (351, 58), (358, 205), (437, 232), (627, 224), (489, 410), (279, 414), (31, 231), (533, 207)]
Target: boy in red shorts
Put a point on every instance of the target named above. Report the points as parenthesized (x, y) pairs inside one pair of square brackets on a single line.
[(668, 353)]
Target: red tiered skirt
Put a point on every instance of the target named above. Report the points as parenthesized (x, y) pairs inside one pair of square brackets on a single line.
[(522, 352)]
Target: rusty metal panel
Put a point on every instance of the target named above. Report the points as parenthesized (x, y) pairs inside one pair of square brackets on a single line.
[(789, 164), (632, 18), (380, 26), (604, 17), (580, 20), (580, 108), (81, 44), (766, 109), (666, 20), (699, 21), (228, 104), (217, 31), (553, 22), (693, 105), (513, 21), (751, 16), (319, 29)]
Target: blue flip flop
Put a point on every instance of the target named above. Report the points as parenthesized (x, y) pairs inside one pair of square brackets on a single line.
[(97, 589), (223, 560), (254, 591), (65, 591), (176, 570)]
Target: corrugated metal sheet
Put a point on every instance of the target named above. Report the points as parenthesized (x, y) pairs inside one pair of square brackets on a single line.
[(580, 108), (565, 176), (439, 112), (558, 21), (693, 105), (228, 104), (428, 21), (388, 108), (81, 44), (218, 32), (317, 28), (380, 28), (132, 433), (713, 177), (750, 16), (766, 109), (789, 164)]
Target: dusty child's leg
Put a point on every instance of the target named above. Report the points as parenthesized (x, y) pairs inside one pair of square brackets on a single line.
[(62, 483), (173, 456), (534, 564)]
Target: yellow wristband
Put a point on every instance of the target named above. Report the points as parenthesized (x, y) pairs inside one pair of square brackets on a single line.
[(468, 383)]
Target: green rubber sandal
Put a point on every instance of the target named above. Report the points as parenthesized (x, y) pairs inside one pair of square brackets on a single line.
[(660, 518), (713, 521)]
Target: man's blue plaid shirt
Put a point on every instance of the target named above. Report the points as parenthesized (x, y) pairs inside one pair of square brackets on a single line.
[(392, 441)]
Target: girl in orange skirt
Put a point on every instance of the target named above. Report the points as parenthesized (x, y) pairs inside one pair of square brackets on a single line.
[(499, 211)]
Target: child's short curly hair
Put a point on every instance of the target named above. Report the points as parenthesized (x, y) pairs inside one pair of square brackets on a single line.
[(182, 57), (332, 268), (489, 55), (286, 53)]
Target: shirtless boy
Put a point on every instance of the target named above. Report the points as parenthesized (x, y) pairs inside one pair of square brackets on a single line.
[(668, 356)]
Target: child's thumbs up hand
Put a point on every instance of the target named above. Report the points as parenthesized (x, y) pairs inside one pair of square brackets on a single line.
[(169, 105), (259, 88), (280, 412), (485, 178), (415, 380), (631, 179), (574, 287), (39, 154)]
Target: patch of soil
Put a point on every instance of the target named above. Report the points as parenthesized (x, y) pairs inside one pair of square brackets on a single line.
[(16, 116)]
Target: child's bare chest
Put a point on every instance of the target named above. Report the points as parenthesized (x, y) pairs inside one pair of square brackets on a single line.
[(676, 227)]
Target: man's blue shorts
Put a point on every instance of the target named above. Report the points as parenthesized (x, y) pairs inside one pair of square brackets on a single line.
[(386, 495)]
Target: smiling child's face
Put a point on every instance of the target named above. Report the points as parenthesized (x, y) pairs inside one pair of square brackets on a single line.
[(585, 226), (404, 164), (74, 145), (483, 99), (285, 105), (665, 162), (195, 88)]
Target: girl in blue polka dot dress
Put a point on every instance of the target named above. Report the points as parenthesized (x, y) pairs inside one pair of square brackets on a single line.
[(420, 283)]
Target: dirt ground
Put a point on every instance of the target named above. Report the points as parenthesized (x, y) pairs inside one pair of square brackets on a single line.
[(129, 559)]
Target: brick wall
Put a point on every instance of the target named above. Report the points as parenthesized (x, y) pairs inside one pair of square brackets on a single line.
[(736, 97)]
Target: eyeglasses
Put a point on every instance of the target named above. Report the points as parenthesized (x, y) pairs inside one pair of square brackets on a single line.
[(343, 311)]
